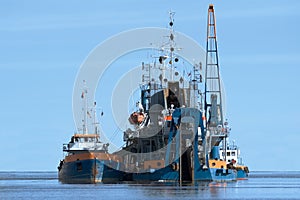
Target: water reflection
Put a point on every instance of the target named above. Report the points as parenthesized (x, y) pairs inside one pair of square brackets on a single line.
[(44, 185), (173, 190)]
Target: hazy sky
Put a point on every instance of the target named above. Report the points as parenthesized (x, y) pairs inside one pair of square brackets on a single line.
[(43, 44)]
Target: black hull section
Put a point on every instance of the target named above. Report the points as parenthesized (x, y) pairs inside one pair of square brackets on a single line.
[(89, 172)]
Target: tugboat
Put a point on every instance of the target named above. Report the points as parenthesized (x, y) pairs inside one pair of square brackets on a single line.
[(86, 158), (232, 155), (178, 129)]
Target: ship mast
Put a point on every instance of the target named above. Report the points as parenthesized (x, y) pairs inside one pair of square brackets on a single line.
[(89, 119), (213, 97), (172, 42), (84, 109)]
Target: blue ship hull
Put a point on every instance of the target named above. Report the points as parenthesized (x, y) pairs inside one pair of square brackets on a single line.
[(167, 174), (90, 171), (164, 174), (222, 175), (241, 174)]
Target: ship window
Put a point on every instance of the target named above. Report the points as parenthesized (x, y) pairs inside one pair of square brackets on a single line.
[(213, 164), (133, 159), (228, 153), (219, 172), (79, 166), (153, 145), (233, 153), (158, 164)]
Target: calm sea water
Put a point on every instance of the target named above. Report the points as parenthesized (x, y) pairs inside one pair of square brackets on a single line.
[(44, 185)]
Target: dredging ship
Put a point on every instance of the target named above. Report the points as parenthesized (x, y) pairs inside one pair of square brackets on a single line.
[(179, 130), (86, 158)]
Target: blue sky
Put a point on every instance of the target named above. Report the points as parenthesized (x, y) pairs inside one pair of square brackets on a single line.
[(43, 44)]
